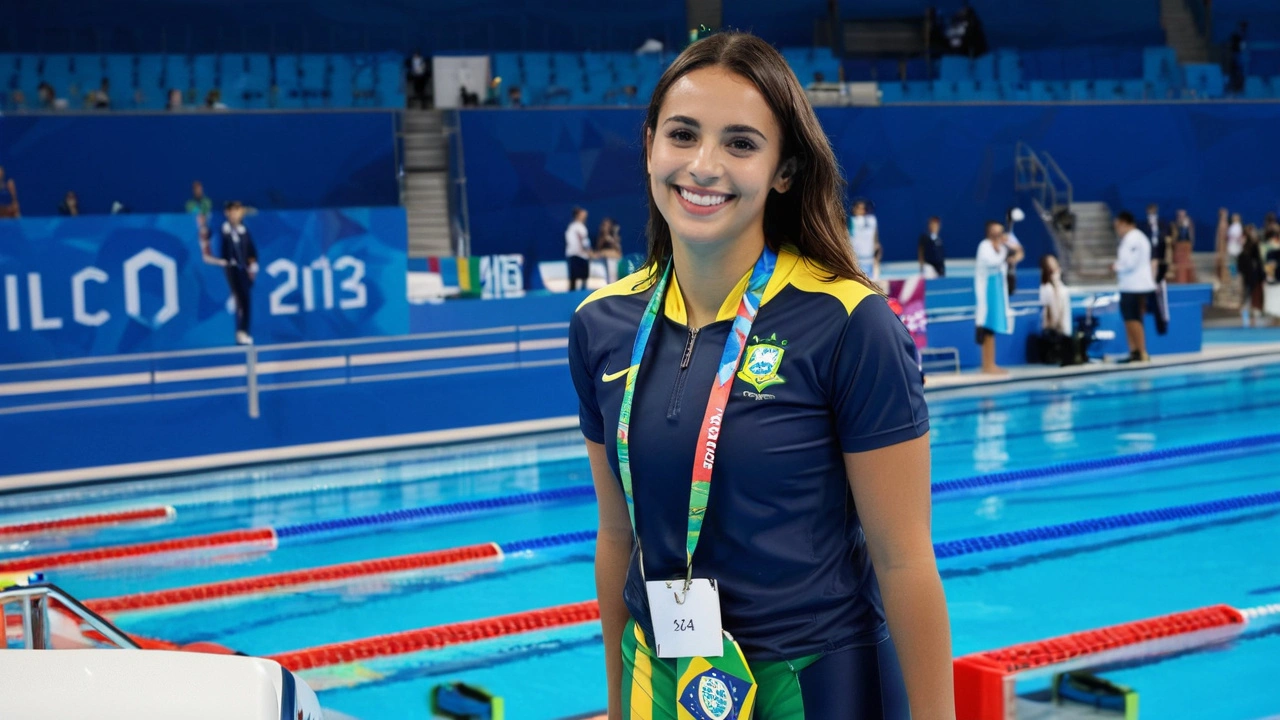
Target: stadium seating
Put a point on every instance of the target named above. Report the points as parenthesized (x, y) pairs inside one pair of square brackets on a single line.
[(333, 80)]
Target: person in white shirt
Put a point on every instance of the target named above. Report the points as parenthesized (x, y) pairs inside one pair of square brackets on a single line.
[(991, 291), (1137, 284), (1055, 298), (864, 233), (577, 250)]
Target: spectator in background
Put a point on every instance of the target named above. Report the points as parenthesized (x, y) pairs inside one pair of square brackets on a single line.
[(417, 70), (9, 207), (199, 203), (1161, 253), (1253, 277), (48, 99), (1137, 284), (175, 100), (577, 250), (609, 247), (100, 99), (1236, 48), (930, 251), (493, 95), (514, 97), (864, 234), (991, 289), (1183, 234), (241, 258), (213, 100), (17, 101), (965, 34), (1271, 267), (70, 206)]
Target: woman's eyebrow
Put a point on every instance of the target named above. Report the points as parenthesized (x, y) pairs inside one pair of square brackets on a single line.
[(686, 120)]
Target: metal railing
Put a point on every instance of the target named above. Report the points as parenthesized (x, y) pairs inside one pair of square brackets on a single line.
[(33, 606), (251, 370), (1051, 193)]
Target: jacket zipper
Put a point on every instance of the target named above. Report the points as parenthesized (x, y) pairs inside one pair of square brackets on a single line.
[(673, 409)]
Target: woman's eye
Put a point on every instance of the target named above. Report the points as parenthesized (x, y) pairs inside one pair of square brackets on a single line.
[(681, 136), (742, 145)]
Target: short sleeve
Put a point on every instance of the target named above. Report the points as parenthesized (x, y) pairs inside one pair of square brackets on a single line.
[(589, 417), (877, 391)]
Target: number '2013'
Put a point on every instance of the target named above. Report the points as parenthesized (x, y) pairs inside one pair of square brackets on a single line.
[(352, 289)]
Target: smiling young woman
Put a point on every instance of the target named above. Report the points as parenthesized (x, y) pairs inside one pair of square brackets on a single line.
[(747, 535)]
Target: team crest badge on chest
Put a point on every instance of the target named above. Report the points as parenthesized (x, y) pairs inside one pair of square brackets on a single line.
[(761, 362)]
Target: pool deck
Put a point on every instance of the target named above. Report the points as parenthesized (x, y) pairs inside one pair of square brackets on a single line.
[(1221, 344)]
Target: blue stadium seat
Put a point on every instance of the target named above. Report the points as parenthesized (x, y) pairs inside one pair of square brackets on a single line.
[(176, 72), (891, 92), (150, 72), (55, 70), (951, 67), (364, 71), (918, 91), (1204, 80), (390, 82), (120, 71), (506, 65), (257, 82), (313, 80), (287, 89), (340, 81), (984, 68), (1160, 64), (1081, 90), (537, 68), (1015, 91), (1008, 66), (204, 74), (946, 91), (1040, 91)]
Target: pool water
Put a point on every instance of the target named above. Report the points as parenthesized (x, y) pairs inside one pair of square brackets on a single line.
[(995, 598)]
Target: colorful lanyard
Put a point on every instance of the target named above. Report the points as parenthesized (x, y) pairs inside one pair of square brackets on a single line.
[(713, 420)]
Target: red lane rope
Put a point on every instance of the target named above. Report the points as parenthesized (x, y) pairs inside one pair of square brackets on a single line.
[(434, 638), (1041, 653), (88, 521), (309, 576), (198, 542)]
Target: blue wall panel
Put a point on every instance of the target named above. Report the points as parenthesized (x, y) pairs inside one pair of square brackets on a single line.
[(527, 168), (267, 160), (361, 293)]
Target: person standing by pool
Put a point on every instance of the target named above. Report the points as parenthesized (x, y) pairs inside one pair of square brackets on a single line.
[(577, 250), (816, 412), (992, 313), (864, 234), (1136, 281)]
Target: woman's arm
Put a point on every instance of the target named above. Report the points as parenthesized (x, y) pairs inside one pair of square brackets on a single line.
[(892, 494), (613, 555)]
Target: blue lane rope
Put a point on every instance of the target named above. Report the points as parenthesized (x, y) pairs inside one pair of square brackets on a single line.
[(548, 541), (435, 512), (1077, 466), (968, 546)]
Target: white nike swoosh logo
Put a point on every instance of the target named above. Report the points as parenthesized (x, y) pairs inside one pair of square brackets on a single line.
[(610, 377)]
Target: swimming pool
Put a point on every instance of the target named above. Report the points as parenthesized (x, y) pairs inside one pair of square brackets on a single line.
[(1177, 432)]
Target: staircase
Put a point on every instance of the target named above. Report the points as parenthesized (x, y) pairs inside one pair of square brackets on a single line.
[(424, 189), (1094, 248), (1181, 33)]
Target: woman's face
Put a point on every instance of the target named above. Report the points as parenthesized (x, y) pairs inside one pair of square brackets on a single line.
[(714, 157), (1051, 263)]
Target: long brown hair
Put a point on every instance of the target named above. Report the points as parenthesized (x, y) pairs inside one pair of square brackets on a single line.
[(811, 214)]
